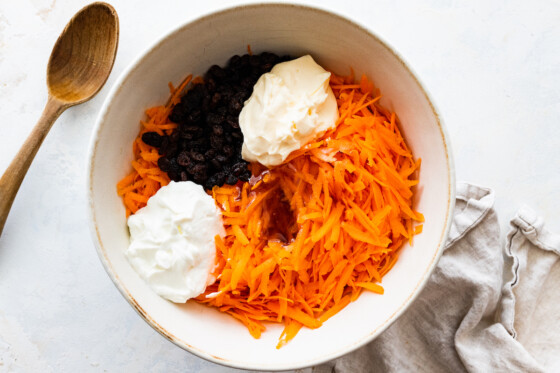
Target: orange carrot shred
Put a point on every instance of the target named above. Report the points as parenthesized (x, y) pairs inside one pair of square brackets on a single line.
[(146, 179)]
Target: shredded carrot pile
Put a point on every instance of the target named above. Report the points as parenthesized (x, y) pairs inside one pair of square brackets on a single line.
[(305, 238), (146, 178)]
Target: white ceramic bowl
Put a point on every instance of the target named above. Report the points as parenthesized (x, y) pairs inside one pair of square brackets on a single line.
[(335, 43)]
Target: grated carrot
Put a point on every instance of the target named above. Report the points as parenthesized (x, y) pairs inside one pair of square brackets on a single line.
[(146, 178)]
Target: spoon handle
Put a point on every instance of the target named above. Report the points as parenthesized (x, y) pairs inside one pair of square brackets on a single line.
[(14, 174)]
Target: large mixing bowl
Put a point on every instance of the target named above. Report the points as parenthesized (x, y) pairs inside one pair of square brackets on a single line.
[(337, 44)]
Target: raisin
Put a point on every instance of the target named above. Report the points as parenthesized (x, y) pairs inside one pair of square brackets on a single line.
[(194, 117), (245, 176), (197, 157), (228, 150), (216, 142), (164, 164), (239, 168), (200, 169), (210, 182), (255, 60), (217, 72), (211, 153), (183, 159), (214, 118), (172, 149), (216, 98), (217, 130), (247, 82), (152, 139), (221, 159), (220, 178), (174, 175), (236, 103), (200, 178), (164, 145), (231, 179), (216, 164), (234, 62)]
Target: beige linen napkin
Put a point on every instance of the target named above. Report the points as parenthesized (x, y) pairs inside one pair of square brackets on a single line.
[(486, 308)]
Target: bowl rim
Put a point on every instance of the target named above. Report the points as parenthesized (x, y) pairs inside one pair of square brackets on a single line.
[(92, 221)]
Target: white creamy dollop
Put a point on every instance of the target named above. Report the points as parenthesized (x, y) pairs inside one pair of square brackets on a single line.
[(172, 243), (290, 106)]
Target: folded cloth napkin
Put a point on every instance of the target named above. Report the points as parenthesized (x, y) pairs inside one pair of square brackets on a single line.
[(484, 309)]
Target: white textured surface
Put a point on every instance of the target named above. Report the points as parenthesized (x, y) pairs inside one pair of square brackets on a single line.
[(492, 68)]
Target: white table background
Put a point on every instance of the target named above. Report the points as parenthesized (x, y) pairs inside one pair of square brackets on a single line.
[(493, 68)]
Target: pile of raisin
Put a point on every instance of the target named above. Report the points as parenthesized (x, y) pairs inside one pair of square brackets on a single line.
[(206, 146)]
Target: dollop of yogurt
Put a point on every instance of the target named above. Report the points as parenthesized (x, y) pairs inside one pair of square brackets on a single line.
[(172, 243), (290, 106)]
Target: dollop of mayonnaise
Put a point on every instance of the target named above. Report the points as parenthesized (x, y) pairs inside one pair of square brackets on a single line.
[(290, 106), (172, 243)]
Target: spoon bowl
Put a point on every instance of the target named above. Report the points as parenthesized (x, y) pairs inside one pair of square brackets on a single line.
[(83, 55), (79, 65)]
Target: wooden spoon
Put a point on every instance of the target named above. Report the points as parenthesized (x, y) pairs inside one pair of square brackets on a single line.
[(79, 66)]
